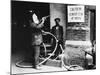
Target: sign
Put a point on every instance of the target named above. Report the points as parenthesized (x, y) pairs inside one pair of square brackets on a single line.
[(76, 14)]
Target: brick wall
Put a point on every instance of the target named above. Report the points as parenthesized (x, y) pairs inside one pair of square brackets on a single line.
[(79, 31)]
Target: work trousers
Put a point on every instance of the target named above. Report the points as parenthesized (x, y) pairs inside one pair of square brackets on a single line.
[(36, 43)]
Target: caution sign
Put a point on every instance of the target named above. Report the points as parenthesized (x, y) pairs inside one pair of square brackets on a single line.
[(76, 14)]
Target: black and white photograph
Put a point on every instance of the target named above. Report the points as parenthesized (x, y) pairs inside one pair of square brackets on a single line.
[(52, 37)]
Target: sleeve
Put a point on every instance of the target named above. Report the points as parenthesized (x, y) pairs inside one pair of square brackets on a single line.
[(62, 30), (52, 30)]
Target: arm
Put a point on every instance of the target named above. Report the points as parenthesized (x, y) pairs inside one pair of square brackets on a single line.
[(41, 23), (62, 32), (52, 30)]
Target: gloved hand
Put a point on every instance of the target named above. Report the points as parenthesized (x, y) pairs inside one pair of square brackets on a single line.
[(60, 42)]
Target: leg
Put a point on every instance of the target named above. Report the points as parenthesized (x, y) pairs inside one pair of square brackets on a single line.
[(37, 40), (36, 54)]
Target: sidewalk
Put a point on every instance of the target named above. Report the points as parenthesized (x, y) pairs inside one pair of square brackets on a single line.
[(43, 68)]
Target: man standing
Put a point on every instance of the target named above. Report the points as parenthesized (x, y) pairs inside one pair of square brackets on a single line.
[(36, 35), (57, 30)]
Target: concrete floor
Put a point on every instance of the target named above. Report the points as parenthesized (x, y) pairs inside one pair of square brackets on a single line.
[(18, 70)]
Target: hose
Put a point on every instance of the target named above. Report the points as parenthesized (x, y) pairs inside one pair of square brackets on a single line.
[(53, 51), (62, 57), (69, 68), (45, 49), (23, 66)]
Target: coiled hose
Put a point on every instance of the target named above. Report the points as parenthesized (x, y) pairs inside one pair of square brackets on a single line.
[(62, 57), (23, 66), (71, 67)]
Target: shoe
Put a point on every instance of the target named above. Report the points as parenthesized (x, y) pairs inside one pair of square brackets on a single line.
[(38, 67), (34, 67)]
